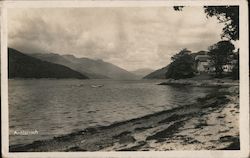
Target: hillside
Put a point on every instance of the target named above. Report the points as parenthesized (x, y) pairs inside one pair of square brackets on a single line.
[(90, 67), (24, 66), (158, 74)]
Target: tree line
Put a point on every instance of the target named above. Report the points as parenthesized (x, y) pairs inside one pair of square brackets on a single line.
[(222, 53)]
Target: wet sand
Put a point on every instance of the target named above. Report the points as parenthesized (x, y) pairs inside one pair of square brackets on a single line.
[(209, 124)]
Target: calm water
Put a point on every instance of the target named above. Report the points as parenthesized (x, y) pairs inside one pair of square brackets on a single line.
[(56, 107)]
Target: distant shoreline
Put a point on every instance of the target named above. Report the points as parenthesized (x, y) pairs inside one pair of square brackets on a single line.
[(202, 83), (159, 131)]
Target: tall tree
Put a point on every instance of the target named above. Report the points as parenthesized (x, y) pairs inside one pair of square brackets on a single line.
[(220, 53), (182, 65)]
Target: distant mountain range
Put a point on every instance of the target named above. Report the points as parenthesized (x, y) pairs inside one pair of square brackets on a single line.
[(23, 66), (92, 68), (142, 72), (51, 65)]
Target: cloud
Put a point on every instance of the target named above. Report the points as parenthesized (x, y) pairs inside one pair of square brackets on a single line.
[(128, 37)]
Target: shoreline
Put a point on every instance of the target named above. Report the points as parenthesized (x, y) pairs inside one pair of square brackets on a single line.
[(174, 129)]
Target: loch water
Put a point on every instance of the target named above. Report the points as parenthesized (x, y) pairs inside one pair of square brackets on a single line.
[(55, 107)]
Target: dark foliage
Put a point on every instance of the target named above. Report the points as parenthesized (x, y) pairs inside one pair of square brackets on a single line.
[(220, 53), (229, 15), (24, 66), (182, 65), (178, 8)]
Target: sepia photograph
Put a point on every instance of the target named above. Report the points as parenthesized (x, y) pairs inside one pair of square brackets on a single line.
[(124, 79)]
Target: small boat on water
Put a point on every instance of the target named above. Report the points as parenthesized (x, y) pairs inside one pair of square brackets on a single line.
[(97, 86)]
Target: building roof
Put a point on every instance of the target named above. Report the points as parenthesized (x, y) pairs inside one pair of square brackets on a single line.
[(202, 58)]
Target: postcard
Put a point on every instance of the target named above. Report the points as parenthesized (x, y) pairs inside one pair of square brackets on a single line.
[(125, 79)]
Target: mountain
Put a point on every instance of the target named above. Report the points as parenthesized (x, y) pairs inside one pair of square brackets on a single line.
[(158, 74), (23, 66), (142, 72), (90, 67), (62, 60)]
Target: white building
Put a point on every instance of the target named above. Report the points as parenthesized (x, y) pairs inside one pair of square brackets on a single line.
[(202, 63), (229, 67)]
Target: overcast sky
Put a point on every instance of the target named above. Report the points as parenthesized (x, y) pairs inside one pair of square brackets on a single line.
[(131, 38)]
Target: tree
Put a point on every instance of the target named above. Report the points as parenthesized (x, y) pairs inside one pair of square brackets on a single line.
[(220, 53), (182, 65), (229, 15)]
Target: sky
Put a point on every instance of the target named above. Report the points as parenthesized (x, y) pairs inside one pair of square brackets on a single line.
[(132, 38)]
